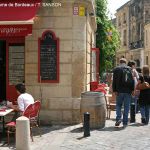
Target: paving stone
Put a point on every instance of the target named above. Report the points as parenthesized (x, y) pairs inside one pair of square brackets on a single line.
[(134, 137)]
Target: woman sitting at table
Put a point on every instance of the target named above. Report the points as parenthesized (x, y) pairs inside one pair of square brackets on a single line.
[(24, 99)]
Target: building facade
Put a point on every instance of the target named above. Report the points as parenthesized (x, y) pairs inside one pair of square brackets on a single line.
[(54, 58), (147, 45), (138, 16), (122, 25)]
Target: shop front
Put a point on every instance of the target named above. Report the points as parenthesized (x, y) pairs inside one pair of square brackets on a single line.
[(52, 51), (16, 22)]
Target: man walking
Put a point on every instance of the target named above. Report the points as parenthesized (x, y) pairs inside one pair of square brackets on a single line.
[(123, 86)]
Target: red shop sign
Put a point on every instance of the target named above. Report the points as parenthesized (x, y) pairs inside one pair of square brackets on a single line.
[(15, 30), (18, 10)]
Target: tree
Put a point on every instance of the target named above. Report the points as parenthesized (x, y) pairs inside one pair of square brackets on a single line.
[(107, 37)]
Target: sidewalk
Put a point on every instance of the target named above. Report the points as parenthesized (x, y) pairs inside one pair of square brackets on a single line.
[(133, 137)]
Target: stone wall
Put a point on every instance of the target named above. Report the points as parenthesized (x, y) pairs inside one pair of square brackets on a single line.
[(60, 101)]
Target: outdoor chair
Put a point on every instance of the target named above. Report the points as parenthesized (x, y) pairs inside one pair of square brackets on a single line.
[(31, 112), (33, 115), (110, 104)]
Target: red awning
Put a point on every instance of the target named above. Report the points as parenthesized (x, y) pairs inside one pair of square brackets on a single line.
[(16, 17), (18, 10)]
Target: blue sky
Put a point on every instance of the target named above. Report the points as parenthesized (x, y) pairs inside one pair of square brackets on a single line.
[(113, 5)]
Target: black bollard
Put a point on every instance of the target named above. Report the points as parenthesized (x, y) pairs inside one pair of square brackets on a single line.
[(132, 113), (86, 125)]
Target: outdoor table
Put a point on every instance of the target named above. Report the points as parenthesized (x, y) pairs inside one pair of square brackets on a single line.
[(3, 112)]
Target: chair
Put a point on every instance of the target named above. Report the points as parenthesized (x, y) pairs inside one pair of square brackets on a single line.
[(11, 126), (31, 112), (110, 104)]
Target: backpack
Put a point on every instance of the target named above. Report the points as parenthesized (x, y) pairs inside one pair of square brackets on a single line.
[(127, 77)]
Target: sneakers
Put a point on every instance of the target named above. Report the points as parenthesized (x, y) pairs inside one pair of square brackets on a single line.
[(143, 120), (117, 123), (125, 125)]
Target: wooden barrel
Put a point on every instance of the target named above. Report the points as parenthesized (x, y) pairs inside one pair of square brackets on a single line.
[(94, 103)]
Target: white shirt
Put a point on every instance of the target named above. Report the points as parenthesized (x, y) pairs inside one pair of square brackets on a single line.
[(24, 100)]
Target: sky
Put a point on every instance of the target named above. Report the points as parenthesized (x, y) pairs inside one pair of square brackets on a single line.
[(113, 5)]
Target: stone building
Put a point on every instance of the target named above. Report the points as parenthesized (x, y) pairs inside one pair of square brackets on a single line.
[(122, 25), (147, 45), (61, 33), (139, 15)]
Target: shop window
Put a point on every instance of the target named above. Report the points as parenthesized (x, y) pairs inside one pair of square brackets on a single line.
[(95, 64), (48, 58), (16, 64)]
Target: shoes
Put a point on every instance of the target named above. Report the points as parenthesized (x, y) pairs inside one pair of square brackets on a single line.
[(117, 123), (143, 120), (125, 125)]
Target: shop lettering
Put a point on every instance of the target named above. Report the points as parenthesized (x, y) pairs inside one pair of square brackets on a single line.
[(30, 4), (3, 4), (19, 4), (51, 4), (24, 5), (12, 30)]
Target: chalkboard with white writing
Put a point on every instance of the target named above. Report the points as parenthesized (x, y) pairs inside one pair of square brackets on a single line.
[(48, 58)]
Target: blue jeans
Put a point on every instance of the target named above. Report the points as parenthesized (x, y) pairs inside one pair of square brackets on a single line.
[(145, 110), (123, 99), (134, 100)]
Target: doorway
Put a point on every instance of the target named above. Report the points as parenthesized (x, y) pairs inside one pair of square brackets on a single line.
[(2, 70)]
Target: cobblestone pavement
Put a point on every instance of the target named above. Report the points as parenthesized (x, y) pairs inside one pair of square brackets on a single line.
[(134, 137)]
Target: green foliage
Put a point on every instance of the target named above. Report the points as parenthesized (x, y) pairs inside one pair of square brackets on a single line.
[(107, 37)]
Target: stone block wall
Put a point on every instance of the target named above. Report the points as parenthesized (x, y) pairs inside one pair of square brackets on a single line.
[(60, 101)]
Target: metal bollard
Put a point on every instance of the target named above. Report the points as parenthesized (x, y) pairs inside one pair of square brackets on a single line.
[(132, 113), (86, 125)]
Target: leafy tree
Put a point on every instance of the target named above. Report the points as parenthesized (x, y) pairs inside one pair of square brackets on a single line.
[(107, 37)]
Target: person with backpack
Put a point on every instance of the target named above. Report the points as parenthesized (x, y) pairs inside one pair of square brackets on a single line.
[(123, 87)]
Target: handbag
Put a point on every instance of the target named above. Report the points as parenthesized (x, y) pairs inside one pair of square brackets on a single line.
[(143, 86)]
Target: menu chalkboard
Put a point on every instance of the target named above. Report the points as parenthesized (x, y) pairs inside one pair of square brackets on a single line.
[(48, 58), (16, 64)]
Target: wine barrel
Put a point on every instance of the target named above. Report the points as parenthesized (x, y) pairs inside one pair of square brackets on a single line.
[(94, 103)]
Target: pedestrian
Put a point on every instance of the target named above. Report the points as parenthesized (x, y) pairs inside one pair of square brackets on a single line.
[(137, 93), (135, 74), (123, 87), (144, 98), (24, 99)]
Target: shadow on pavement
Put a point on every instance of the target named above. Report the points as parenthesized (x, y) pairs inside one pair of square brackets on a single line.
[(136, 124), (48, 129), (3, 142), (112, 128)]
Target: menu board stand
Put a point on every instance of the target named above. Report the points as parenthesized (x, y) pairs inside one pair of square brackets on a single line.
[(48, 58)]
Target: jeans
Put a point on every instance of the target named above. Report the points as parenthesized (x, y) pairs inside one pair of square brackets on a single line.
[(145, 110), (123, 99), (135, 100)]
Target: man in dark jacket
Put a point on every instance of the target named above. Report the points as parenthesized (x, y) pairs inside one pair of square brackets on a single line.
[(123, 86)]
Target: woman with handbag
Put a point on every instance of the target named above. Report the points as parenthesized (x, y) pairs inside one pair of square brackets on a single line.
[(144, 98)]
